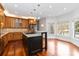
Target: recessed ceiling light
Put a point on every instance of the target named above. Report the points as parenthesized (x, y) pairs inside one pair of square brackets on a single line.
[(65, 8), (50, 6), (15, 5), (38, 17)]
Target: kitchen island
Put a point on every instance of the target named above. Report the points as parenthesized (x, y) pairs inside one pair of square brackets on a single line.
[(33, 43)]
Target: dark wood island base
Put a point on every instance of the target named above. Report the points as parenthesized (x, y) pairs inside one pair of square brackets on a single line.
[(34, 43)]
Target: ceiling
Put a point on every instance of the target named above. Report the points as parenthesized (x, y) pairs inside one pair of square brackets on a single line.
[(40, 10)]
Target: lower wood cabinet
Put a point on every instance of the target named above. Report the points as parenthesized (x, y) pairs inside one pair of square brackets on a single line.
[(17, 35), (12, 36), (4, 38)]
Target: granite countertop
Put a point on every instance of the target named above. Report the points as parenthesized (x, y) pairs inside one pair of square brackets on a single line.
[(38, 33), (5, 31), (32, 35), (2, 34)]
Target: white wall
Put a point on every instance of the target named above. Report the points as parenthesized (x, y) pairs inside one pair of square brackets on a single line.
[(42, 24)]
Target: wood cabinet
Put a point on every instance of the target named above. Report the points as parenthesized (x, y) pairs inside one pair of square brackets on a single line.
[(12, 36), (9, 22), (1, 16), (32, 21), (17, 36), (25, 23), (1, 10), (13, 22), (5, 39)]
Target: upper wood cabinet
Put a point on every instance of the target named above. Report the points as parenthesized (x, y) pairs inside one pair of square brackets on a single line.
[(1, 10), (1, 16), (32, 21), (9, 22), (25, 23), (12, 22)]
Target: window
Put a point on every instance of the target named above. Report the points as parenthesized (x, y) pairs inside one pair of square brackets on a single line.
[(63, 28), (77, 29)]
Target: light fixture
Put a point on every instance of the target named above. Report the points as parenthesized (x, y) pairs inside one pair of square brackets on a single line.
[(15, 5), (38, 17), (42, 25), (34, 9), (50, 6), (65, 8), (38, 5), (31, 21), (5, 11), (2, 24)]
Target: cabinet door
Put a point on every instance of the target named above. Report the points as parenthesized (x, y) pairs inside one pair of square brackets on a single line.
[(17, 36), (10, 36), (5, 38), (24, 23), (1, 11), (2, 18), (34, 44), (1, 22), (9, 23)]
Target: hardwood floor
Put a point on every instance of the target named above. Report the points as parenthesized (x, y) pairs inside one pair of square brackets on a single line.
[(58, 47), (55, 48), (14, 48)]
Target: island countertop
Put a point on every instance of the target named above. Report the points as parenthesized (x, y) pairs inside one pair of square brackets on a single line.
[(2, 34), (37, 33), (32, 35)]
